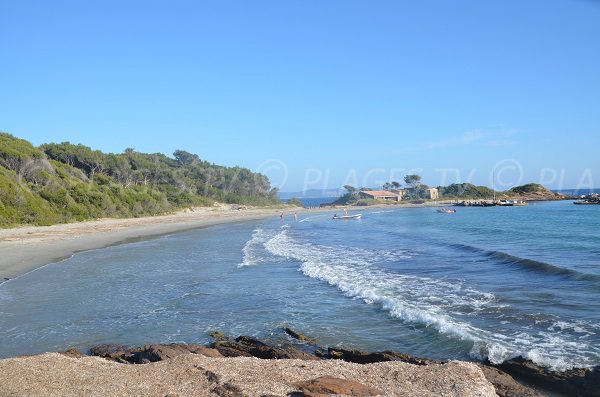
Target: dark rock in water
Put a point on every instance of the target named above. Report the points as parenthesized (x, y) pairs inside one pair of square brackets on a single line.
[(110, 351), (218, 335), (361, 357), (297, 335), (73, 353), (328, 385), (505, 384), (153, 353), (575, 382), (150, 353), (247, 346)]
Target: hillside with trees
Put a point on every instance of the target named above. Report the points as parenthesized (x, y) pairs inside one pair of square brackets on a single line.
[(465, 191), (416, 191), (65, 182)]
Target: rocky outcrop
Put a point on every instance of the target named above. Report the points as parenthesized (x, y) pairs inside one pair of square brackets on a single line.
[(575, 382), (298, 336), (533, 192), (150, 353), (361, 357), (246, 346), (506, 385), (187, 375), (325, 386), (74, 353), (505, 377)]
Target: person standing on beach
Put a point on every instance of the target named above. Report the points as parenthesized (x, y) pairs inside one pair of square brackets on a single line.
[(281, 216), (296, 216)]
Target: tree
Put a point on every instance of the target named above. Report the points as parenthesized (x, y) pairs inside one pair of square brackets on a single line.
[(412, 180), (350, 189), (185, 158), (396, 185), (295, 201)]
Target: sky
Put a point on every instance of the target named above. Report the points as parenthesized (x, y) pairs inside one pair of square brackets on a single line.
[(317, 94)]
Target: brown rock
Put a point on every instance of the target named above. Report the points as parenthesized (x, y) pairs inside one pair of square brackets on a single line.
[(328, 385), (110, 351), (73, 353), (150, 353), (153, 353), (297, 335), (574, 382), (361, 357), (247, 346), (206, 351), (505, 384)]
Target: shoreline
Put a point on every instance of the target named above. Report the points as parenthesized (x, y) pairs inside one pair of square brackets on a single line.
[(24, 249), (27, 248)]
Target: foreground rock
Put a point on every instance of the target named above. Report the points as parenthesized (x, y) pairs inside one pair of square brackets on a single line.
[(149, 353), (246, 346), (505, 385), (361, 357), (327, 385), (55, 374), (576, 382)]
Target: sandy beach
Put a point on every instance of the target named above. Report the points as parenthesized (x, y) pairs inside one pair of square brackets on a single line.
[(24, 249)]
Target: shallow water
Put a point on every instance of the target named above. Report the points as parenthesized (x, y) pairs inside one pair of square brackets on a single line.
[(484, 282)]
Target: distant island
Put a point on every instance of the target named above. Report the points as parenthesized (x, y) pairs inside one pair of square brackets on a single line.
[(416, 192), (65, 182)]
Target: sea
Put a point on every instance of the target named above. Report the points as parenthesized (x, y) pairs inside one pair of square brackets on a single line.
[(482, 283)]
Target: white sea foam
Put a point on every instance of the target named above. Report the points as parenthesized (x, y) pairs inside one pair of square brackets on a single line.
[(310, 218), (439, 304), (251, 250)]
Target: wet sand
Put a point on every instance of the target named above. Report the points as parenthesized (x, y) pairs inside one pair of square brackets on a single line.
[(27, 248), (24, 249)]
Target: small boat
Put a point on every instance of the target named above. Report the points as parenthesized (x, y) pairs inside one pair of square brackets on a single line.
[(586, 202), (357, 216), (446, 211), (512, 203)]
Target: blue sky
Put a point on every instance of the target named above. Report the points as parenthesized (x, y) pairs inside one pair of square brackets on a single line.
[(316, 94)]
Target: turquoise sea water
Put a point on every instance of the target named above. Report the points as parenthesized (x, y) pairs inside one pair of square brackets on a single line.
[(484, 282)]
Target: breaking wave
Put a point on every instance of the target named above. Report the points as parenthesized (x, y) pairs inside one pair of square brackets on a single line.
[(251, 251), (446, 306)]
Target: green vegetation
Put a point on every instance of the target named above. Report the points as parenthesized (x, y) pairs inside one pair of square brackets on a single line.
[(417, 193), (64, 182), (529, 188), (465, 191), (351, 197), (412, 180), (391, 185), (295, 201)]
